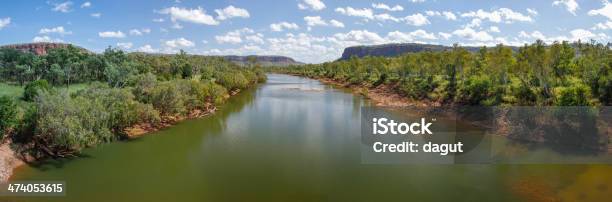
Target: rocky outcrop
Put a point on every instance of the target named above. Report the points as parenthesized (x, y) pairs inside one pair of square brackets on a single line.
[(265, 60), (391, 50), (38, 48)]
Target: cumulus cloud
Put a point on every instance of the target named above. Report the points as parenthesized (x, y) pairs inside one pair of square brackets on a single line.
[(139, 32), (416, 20), (605, 11), (574, 35), (197, 16), (235, 37), (446, 14), (603, 26), (125, 46), (96, 15), (111, 34), (401, 37), (87, 4), (570, 5), (179, 43), (4, 22), (349, 11), (62, 7), (445, 35), (279, 27), (494, 29), (472, 35), (387, 7), (311, 4), (313, 21), (231, 12), (532, 12), (46, 39), (56, 30), (386, 17), (148, 49), (500, 15)]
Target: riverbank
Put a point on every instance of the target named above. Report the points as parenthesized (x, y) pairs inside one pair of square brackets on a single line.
[(496, 123), (10, 159)]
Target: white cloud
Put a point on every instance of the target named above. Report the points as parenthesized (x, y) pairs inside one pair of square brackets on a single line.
[(176, 25), (532, 12), (257, 38), (401, 37), (472, 35), (158, 20), (314, 21), (494, 29), (447, 14), (416, 19), (111, 34), (386, 17), (4, 22), (231, 12), (96, 15), (57, 30), (179, 43), (137, 32), (197, 16), (444, 35), (87, 4), (147, 49), (500, 15), (387, 7), (606, 10), (603, 26), (312, 4), (336, 23), (46, 39), (62, 7), (279, 27), (235, 37), (570, 5), (417, 1), (349, 11), (359, 37), (474, 23), (125, 46)]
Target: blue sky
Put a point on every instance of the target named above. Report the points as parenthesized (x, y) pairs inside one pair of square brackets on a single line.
[(308, 30)]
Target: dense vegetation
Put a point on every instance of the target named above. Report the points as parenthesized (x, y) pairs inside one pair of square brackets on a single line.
[(560, 74), (122, 90)]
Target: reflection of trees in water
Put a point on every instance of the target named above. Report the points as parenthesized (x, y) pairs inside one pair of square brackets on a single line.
[(565, 129), (217, 122)]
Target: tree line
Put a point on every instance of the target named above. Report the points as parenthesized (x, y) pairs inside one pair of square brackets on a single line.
[(122, 90), (538, 74)]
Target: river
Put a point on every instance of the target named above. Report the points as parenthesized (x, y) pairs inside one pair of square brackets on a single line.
[(293, 139)]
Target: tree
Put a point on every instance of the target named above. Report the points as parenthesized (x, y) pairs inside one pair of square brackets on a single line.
[(8, 114), (33, 88)]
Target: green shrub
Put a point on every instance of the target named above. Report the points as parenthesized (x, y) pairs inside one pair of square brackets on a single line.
[(8, 114), (577, 94), (232, 80), (167, 99), (65, 125), (475, 89), (32, 89)]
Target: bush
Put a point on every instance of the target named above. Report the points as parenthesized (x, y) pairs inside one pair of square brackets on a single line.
[(8, 114), (33, 88), (65, 125), (577, 94), (475, 89), (167, 99), (123, 109), (232, 80)]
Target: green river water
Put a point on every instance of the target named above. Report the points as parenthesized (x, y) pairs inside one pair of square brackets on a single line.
[(293, 139)]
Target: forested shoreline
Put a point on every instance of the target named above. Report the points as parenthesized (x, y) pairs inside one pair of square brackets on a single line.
[(120, 91), (558, 74)]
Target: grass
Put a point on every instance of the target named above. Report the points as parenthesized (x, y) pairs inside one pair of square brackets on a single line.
[(16, 91)]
